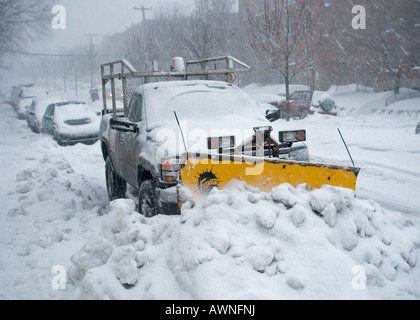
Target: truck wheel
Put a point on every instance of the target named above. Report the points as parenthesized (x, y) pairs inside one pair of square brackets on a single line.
[(147, 199), (115, 185)]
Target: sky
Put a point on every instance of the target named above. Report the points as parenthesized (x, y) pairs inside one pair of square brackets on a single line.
[(101, 18)]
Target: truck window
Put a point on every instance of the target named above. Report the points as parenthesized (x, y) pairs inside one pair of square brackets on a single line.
[(136, 107)]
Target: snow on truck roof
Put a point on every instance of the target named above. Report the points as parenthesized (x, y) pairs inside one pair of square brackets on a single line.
[(198, 100)]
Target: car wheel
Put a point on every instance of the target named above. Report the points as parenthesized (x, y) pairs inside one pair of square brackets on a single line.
[(147, 199), (35, 128), (303, 114), (115, 185), (57, 138)]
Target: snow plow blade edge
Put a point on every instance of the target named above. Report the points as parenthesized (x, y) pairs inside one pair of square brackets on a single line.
[(201, 174)]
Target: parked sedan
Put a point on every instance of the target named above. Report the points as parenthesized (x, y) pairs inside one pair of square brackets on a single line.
[(71, 122), (36, 111)]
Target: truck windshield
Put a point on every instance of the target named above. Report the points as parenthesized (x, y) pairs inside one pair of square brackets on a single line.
[(200, 103)]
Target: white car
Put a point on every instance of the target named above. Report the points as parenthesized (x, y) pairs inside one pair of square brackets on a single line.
[(36, 111), (23, 106), (71, 123)]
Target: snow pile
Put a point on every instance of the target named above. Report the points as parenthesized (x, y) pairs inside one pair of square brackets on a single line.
[(350, 88), (240, 243), (409, 107), (279, 89)]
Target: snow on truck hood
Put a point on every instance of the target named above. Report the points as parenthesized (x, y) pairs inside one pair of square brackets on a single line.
[(204, 109)]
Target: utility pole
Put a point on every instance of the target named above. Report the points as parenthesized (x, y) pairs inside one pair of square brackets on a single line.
[(143, 9), (90, 35)]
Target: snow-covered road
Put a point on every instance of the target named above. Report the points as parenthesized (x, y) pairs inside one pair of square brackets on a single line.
[(55, 212)]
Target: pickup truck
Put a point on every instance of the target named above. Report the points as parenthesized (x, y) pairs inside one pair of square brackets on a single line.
[(163, 120)]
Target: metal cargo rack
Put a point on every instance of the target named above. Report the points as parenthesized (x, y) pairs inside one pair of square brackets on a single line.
[(219, 68)]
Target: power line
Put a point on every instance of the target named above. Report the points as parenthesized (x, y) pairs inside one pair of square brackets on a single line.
[(124, 22)]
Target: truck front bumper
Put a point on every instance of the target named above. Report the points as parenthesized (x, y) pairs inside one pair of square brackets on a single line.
[(167, 201)]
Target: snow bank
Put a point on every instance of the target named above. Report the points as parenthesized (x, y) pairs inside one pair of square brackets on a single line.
[(240, 243), (279, 89), (350, 88), (409, 107)]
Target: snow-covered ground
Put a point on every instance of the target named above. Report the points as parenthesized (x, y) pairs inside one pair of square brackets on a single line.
[(239, 243)]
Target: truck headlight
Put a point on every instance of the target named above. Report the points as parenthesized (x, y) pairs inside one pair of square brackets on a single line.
[(292, 136), (169, 169)]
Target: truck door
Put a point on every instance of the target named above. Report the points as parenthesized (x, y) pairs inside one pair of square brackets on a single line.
[(129, 142)]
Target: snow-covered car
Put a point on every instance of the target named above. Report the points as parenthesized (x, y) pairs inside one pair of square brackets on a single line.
[(269, 110), (71, 122), (23, 106), (23, 91), (269, 105), (37, 110)]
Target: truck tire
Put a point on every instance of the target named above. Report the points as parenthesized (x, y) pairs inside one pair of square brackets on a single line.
[(147, 199), (115, 185)]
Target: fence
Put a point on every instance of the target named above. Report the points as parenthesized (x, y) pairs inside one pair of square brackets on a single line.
[(401, 97)]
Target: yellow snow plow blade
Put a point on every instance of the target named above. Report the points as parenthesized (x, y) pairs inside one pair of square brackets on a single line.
[(201, 174)]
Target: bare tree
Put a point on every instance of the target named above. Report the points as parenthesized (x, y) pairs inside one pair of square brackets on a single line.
[(384, 52), (391, 37), (208, 31), (21, 21), (286, 38)]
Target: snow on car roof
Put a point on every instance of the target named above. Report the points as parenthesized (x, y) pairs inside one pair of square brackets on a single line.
[(42, 104)]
